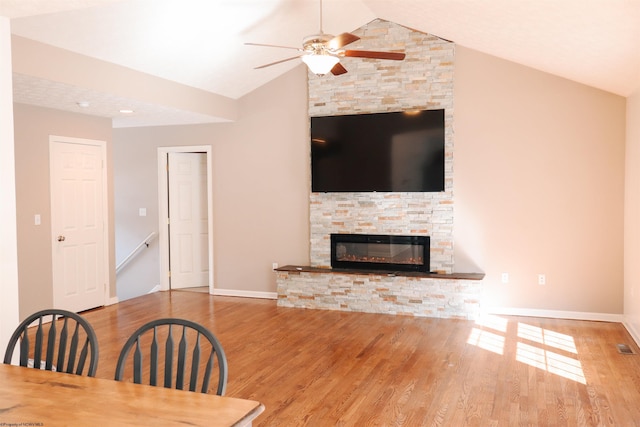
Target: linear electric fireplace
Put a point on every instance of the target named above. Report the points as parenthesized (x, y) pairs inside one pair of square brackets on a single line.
[(380, 252)]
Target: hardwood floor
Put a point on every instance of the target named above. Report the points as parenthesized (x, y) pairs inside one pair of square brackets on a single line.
[(329, 368)]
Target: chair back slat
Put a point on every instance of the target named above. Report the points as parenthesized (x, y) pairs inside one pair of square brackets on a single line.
[(207, 375), (153, 359), (63, 344), (182, 355), (51, 344), (183, 362), (83, 357), (54, 342), (168, 359), (137, 364), (24, 348), (37, 351), (73, 349), (195, 365)]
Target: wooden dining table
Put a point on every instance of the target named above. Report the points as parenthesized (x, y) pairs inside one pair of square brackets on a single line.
[(37, 397)]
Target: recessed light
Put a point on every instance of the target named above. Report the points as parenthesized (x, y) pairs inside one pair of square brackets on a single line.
[(83, 104), (126, 111)]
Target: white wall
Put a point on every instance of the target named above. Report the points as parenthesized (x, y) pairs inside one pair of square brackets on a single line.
[(8, 240), (632, 218), (135, 171), (32, 127), (539, 187), (260, 189)]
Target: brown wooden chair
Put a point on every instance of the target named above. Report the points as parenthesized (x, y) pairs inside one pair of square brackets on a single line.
[(189, 365), (67, 343)]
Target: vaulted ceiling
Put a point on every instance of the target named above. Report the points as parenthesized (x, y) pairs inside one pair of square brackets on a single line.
[(200, 43)]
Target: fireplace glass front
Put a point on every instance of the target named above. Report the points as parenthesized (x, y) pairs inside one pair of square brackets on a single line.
[(380, 252)]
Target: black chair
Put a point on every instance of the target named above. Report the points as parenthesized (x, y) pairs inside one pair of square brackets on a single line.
[(67, 343), (198, 359)]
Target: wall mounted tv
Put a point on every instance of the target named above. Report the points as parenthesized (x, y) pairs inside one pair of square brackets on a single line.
[(383, 152)]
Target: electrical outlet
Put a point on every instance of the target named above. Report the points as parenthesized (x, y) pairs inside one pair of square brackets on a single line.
[(505, 277), (542, 279), (274, 265)]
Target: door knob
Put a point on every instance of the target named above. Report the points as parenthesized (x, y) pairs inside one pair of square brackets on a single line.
[(61, 238)]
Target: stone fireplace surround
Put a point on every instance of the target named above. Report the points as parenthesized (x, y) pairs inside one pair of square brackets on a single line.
[(424, 80)]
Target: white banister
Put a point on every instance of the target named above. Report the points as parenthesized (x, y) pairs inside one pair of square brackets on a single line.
[(128, 258)]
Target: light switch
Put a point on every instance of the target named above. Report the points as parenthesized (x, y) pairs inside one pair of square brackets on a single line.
[(36, 219), (142, 211)]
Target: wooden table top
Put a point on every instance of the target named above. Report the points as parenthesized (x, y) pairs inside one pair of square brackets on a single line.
[(37, 397)]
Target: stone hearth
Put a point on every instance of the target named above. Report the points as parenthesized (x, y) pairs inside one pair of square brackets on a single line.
[(413, 294)]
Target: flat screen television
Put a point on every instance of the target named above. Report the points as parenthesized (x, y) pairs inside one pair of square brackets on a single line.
[(383, 152)]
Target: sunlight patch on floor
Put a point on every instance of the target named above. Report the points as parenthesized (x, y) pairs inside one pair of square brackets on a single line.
[(549, 361), (494, 322), (535, 346), (487, 341), (547, 337)]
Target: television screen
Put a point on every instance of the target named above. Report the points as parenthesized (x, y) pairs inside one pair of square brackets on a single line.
[(384, 152)]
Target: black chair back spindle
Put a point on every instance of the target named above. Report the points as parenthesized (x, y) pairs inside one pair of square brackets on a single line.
[(187, 366), (58, 344)]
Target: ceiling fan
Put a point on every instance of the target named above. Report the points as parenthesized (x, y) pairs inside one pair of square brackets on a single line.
[(322, 52)]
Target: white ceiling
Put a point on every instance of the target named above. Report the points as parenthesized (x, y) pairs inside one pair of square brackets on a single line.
[(200, 43)]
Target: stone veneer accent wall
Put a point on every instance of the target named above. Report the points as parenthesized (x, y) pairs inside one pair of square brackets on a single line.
[(379, 293), (424, 80)]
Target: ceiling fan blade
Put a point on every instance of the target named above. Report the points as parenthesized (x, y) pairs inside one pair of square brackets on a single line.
[(277, 62), (342, 40), (396, 56), (338, 69), (273, 45)]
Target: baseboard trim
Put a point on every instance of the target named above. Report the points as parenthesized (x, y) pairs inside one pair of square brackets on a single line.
[(556, 314), (244, 294), (112, 301), (633, 332)]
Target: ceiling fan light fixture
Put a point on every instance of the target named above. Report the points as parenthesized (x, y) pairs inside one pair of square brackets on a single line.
[(320, 64)]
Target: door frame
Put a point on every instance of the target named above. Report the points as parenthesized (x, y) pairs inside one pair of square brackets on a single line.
[(163, 209), (55, 139)]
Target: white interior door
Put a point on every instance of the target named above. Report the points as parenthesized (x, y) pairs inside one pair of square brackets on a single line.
[(77, 223), (188, 220)]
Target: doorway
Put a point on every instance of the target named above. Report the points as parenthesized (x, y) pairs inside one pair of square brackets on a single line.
[(78, 217), (186, 226)]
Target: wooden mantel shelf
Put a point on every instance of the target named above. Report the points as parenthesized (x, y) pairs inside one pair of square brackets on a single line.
[(308, 269)]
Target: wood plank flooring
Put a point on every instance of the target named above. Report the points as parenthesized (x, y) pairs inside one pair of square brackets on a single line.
[(329, 368)]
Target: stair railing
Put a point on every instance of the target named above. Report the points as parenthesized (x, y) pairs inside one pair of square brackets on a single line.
[(144, 243)]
